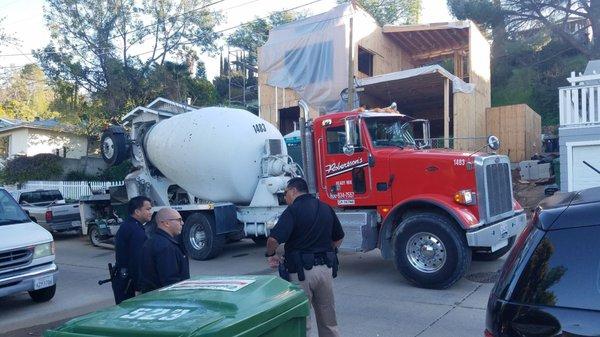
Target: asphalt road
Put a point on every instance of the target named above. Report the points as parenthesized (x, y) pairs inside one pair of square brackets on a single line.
[(372, 298)]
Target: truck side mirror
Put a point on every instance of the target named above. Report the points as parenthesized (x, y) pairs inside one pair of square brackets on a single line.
[(493, 142), (351, 136)]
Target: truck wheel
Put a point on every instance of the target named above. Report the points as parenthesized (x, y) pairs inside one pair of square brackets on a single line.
[(94, 234), (114, 145), (43, 295), (200, 239), (487, 256), (260, 241), (430, 252)]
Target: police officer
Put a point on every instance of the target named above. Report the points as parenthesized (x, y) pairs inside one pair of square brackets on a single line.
[(312, 233), (164, 261), (128, 248)]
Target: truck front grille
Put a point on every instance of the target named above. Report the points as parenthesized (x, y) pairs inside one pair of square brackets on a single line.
[(498, 188), (494, 187), (15, 258)]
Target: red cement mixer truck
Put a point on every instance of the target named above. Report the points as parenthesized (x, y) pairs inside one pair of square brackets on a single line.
[(225, 170)]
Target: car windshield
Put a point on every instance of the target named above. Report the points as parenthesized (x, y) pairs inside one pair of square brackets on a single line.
[(390, 131), (10, 211)]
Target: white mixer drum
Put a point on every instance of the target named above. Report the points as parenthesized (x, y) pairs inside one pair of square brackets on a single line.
[(213, 153)]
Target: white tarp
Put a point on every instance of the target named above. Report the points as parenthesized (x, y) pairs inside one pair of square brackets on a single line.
[(311, 55), (458, 85)]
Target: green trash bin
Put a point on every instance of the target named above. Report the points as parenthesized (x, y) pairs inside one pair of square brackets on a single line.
[(244, 306)]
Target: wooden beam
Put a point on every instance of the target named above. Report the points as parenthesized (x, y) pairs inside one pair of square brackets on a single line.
[(446, 112), (434, 54), (405, 43), (457, 40), (430, 26), (426, 39), (459, 70), (438, 37)]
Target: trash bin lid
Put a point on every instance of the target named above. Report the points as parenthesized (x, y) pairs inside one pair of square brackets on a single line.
[(202, 306)]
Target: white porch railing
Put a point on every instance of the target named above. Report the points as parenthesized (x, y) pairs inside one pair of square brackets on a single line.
[(579, 104), (71, 189)]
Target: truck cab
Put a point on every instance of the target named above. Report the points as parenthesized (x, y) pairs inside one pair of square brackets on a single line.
[(432, 209), (26, 254)]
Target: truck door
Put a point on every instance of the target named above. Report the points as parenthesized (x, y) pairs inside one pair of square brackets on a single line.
[(345, 179)]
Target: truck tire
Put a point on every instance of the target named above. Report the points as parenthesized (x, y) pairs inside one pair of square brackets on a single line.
[(430, 252), (94, 235), (487, 256), (43, 295), (199, 237), (260, 241)]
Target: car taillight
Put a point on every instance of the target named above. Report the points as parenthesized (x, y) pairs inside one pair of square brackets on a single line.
[(487, 333), (48, 216)]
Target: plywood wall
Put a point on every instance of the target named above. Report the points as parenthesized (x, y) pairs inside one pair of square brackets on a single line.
[(519, 129), (469, 109), (388, 57)]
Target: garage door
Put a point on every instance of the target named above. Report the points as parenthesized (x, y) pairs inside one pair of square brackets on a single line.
[(582, 176)]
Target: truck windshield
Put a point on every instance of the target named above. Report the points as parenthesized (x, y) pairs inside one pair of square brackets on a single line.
[(389, 131), (10, 211)]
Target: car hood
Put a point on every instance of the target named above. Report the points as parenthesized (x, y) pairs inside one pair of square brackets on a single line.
[(22, 235)]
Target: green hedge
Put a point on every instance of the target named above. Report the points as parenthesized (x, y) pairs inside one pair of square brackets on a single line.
[(39, 167)]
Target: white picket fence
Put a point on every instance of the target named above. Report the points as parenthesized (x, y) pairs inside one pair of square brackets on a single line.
[(71, 189)]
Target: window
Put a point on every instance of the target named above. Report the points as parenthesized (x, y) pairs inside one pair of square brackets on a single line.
[(389, 131), (4, 146), (563, 271), (365, 61), (359, 182), (40, 197), (336, 139)]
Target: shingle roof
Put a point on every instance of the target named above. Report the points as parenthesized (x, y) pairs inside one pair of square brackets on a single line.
[(44, 124)]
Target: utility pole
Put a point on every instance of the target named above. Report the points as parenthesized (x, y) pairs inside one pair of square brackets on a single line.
[(350, 90)]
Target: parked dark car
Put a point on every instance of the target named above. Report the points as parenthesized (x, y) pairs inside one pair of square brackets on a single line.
[(550, 283)]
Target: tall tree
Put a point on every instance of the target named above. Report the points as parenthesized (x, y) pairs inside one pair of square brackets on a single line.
[(93, 42), (569, 20), (391, 11), (27, 95)]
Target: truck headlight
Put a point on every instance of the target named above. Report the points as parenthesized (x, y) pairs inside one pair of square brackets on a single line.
[(43, 250), (465, 197)]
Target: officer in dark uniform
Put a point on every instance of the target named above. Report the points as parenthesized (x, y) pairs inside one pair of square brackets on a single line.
[(128, 248), (164, 261), (312, 233)]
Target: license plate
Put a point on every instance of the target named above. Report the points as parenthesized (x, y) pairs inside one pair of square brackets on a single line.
[(43, 282), (504, 230), (75, 223)]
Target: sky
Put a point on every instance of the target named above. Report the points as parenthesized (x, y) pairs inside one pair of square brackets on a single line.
[(24, 19)]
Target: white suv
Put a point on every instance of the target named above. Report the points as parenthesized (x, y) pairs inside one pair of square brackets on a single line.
[(26, 253)]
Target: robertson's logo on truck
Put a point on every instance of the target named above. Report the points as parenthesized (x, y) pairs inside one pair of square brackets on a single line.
[(339, 168)]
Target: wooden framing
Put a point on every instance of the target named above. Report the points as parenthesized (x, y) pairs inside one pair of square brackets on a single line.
[(469, 109), (395, 48), (519, 129)]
